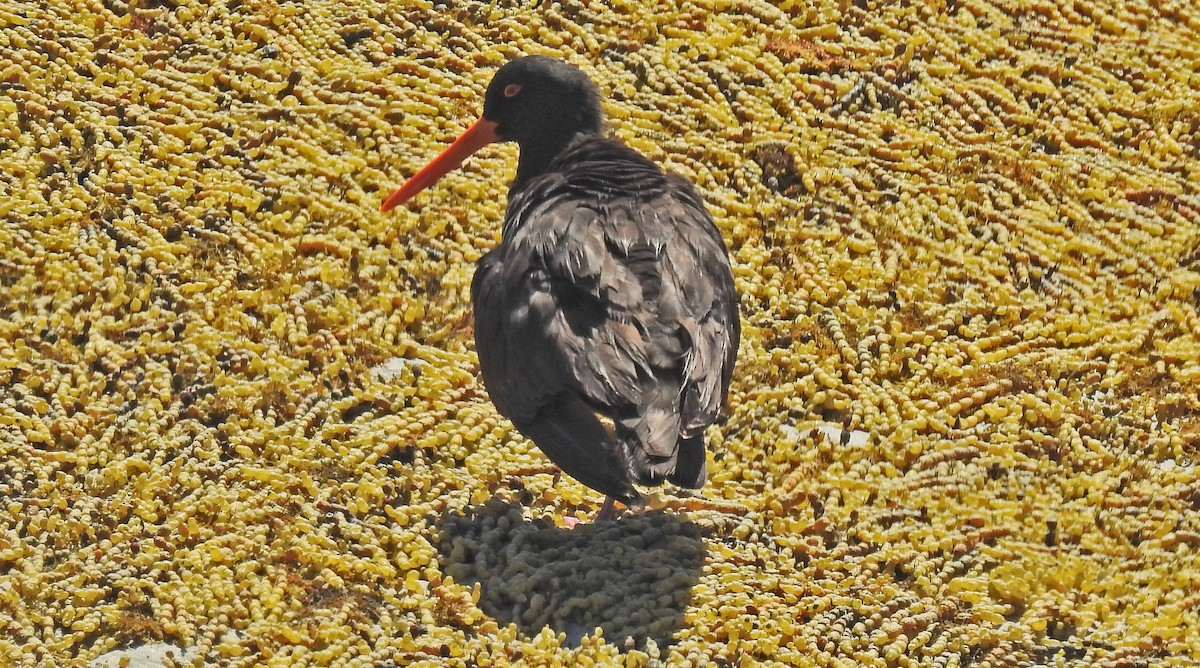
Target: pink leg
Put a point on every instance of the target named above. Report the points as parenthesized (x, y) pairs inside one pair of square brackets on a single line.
[(608, 510)]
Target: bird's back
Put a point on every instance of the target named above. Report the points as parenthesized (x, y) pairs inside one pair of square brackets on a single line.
[(611, 294)]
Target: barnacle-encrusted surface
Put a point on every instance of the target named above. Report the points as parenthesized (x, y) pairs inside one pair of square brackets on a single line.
[(969, 229)]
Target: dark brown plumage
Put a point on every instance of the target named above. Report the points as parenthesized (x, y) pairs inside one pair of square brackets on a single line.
[(605, 320)]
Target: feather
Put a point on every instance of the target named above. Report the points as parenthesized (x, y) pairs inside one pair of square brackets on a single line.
[(610, 299)]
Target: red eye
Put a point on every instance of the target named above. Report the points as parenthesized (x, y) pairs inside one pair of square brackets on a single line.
[(512, 89)]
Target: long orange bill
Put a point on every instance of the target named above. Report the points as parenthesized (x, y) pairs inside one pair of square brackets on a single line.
[(481, 133)]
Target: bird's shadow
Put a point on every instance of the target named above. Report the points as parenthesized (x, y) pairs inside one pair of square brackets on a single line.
[(632, 577)]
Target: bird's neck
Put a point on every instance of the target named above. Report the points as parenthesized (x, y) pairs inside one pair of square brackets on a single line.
[(538, 157)]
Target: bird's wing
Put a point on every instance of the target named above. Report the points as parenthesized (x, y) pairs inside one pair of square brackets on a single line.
[(624, 302), (708, 304)]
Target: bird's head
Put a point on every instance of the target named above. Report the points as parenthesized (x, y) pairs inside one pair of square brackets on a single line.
[(532, 99), (537, 101)]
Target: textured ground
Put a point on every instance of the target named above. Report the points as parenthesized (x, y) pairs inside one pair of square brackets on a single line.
[(969, 230)]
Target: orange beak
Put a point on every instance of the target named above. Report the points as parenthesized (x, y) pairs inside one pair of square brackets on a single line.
[(481, 133)]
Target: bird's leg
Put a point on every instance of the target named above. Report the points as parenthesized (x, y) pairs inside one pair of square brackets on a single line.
[(608, 510)]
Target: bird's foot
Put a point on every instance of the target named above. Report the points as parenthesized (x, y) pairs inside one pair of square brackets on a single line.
[(607, 511)]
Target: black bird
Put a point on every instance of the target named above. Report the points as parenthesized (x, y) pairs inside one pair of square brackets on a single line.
[(606, 320)]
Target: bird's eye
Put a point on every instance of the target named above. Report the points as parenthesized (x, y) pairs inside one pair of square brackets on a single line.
[(512, 89)]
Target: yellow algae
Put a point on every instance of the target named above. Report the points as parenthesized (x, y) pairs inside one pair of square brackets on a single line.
[(241, 408)]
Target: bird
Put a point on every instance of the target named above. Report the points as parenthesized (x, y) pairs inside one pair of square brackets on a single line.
[(606, 317)]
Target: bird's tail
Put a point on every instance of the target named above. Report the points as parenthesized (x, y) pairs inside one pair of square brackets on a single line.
[(684, 466), (690, 468), (653, 445), (571, 435)]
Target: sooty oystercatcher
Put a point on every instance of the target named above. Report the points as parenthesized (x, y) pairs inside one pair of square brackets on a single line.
[(606, 320)]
